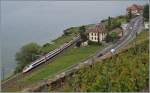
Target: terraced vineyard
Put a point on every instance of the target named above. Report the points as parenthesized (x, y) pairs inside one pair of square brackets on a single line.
[(126, 71)]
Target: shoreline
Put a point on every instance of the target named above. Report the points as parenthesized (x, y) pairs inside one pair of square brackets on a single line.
[(75, 28)]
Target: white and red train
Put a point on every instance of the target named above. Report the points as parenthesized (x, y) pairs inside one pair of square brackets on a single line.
[(49, 55)]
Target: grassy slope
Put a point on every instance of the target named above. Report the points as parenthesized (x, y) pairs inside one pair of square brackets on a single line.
[(61, 40), (122, 71), (56, 66), (70, 57), (74, 31)]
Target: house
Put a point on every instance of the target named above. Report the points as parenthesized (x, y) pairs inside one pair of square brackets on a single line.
[(135, 9), (97, 33)]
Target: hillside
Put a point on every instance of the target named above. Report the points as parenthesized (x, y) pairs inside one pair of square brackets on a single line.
[(68, 58), (126, 71)]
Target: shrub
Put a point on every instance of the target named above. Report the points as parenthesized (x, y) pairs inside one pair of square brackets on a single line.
[(94, 43)]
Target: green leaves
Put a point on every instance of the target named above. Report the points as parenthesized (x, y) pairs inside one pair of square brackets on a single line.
[(146, 12), (122, 73), (111, 37), (114, 23), (83, 35), (27, 54)]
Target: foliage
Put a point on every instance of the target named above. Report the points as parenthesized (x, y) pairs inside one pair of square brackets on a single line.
[(70, 30), (27, 54), (146, 12), (83, 35), (111, 37), (109, 23), (113, 23), (68, 58), (102, 21), (78, 44), (93, 43), (127, 71), (47, 47), (130, 14), (67, 36)]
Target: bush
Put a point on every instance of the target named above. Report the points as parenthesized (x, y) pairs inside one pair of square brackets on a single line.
[(122, 73), (26, 55), (104, 20), (94, 43), (83, 34), (71, 30), (111, 37), (113, 23), (46, 45), (146, 12), (78, 44), (67, 32)]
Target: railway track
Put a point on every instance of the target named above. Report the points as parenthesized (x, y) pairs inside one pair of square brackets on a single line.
[(12, 81)]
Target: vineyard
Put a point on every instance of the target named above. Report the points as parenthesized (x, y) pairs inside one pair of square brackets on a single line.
[(126, 71)]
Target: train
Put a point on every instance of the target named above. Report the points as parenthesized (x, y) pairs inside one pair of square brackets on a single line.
[(49, 55)]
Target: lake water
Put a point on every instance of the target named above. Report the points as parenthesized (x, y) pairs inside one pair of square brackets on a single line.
[(42, 21)]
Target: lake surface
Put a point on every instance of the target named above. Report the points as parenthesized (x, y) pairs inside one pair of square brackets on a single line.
[(42, 21)]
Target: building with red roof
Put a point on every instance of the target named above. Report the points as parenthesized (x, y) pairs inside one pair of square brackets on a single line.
[(97, 33), (135, 9)]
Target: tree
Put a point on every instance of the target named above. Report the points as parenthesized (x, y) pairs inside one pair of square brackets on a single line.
[(113, 35), (129, 16), (27, 54), (110, 37), (66, 32), (46, 48), (83, 35), (109, 23), (146, 12)]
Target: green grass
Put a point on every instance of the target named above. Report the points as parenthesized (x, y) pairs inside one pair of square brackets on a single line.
[(59, 41), (118, 19), (144, 35), (70, 57), (64, 38)]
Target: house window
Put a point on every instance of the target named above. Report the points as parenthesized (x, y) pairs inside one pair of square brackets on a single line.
[(92, 38), (95, 38), (95, 34)]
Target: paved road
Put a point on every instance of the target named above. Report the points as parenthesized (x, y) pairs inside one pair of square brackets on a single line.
[(131, 33), (136, 24)]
